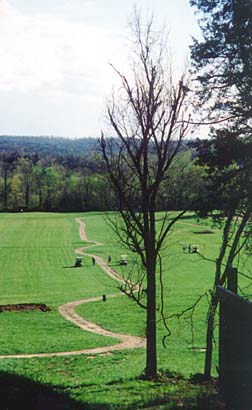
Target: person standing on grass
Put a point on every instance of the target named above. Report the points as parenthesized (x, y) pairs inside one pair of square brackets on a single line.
[(109, 258), (93, 260)]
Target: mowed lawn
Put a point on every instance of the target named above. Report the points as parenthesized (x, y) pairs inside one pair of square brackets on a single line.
[(186, 278), (37, 258), (36, 266)]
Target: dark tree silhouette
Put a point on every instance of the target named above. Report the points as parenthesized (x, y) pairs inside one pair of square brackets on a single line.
[(228, 190), (147, 116), (222, 68), (223, 59), (7, 161)]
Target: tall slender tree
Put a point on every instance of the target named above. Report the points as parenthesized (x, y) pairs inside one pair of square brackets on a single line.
[(147, 117), (25, 166), (7, 161)]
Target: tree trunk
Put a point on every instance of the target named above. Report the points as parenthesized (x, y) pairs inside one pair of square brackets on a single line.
[(214, 301), (209, 336), (151, 347), (40, 198), (220, 280), (27, 196), (5, 188)]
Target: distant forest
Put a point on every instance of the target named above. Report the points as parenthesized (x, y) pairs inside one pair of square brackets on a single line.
[(49, 146), (63, 174)]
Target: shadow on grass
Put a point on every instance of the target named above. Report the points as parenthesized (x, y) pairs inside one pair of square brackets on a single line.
[(172, 393), (185, 217), (18, 392), (206, 232), (71, 266)]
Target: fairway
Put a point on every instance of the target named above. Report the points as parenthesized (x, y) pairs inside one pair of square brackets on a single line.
[(37, 259), (37, 255), (186, 277)]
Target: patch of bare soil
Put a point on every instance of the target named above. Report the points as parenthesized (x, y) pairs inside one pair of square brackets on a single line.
[(21, 307)]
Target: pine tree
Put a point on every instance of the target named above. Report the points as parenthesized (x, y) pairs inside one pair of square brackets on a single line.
[(223, 58)]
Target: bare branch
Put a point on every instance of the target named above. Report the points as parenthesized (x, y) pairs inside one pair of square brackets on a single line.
[(147, 118)]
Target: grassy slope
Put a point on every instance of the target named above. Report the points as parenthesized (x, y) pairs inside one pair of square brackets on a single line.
[(185, 277), (36, 255), (39, 271)]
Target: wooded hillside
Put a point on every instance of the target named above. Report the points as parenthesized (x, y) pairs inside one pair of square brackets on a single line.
[(63, 174)]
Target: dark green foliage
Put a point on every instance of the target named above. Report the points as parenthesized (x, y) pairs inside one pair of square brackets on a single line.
[(222, 150), (223, 59), (228, 160), (222, 65)]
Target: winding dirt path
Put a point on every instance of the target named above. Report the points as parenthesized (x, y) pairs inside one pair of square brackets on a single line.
[(68, 311), (81, 251)]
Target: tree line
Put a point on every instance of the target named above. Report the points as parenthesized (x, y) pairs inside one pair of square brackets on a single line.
[(68, 181)]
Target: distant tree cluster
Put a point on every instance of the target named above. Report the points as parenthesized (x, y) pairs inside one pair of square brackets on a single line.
[(49, 146), (51, 174), (58, 174)]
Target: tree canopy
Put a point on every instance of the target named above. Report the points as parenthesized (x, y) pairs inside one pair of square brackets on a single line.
[(223, 58)]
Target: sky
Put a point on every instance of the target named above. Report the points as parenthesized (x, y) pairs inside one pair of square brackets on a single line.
[(55, 73)]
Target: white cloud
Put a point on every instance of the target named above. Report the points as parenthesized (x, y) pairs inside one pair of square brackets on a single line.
[(46, 54), (54, 54)]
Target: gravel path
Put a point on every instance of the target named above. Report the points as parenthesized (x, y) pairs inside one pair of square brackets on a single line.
[(68, 311)]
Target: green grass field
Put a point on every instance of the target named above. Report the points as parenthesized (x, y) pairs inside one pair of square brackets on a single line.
[(36, 260)]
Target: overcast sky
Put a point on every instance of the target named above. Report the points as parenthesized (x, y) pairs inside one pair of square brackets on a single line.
[(54, 71)]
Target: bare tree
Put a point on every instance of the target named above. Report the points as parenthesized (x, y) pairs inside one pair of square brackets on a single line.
[(148, 117)]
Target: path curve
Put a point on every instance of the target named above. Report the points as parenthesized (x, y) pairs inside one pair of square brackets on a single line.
[(80, 251), (68, 311)]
